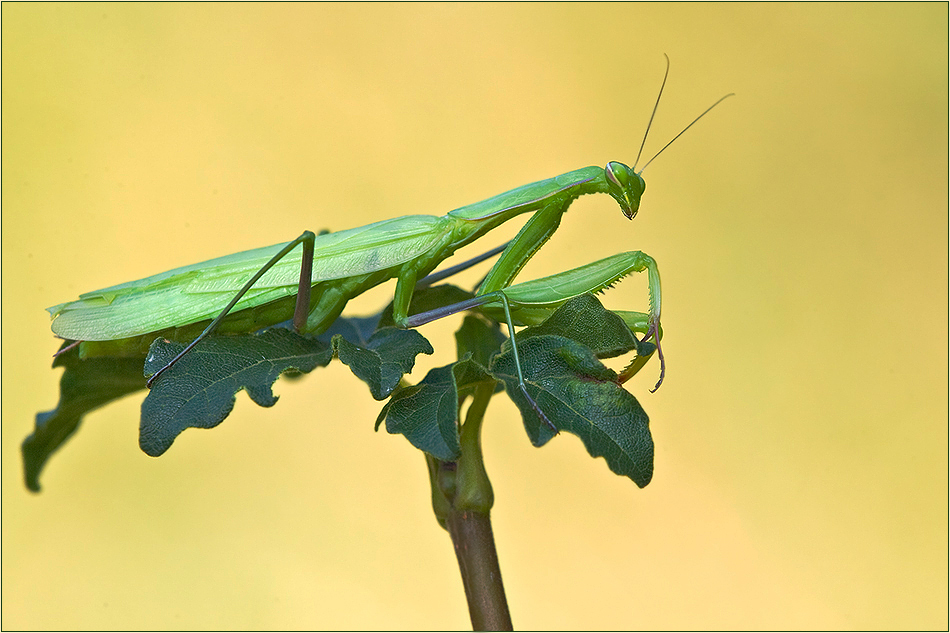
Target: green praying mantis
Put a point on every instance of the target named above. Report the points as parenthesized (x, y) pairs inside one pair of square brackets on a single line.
[(267, 285)]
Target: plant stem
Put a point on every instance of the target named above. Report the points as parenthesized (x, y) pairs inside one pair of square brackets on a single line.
[(478, 561), (462, 499)]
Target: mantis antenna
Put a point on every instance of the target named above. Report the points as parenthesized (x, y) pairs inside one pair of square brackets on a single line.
[(653, 114), (731, 94)]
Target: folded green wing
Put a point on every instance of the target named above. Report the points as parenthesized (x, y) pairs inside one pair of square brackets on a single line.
[(200, 291)]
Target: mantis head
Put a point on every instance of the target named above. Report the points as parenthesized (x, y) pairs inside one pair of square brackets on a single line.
[(625, 186)]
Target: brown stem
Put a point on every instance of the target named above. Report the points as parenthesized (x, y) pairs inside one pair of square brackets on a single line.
[(462, 499), (478, 561)]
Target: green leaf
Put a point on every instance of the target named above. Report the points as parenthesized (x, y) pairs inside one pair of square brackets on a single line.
[(85, 386), (199, 390), (383, 359), (356, 330), (479, 337), (427, 413), (585, 320), (578, 395)]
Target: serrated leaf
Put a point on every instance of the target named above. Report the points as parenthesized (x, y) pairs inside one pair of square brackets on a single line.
[(578, 395), (356, 330), (427, 413), (85, 386), (383, 359), (199, 390)]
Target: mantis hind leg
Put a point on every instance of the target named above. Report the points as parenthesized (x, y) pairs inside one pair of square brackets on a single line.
[(301, 308)]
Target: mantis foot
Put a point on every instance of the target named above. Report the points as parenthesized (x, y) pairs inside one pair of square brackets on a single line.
[(654, 331), (537, 409), (67, 348)]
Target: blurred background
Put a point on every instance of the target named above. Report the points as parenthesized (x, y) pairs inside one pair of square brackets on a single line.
[(801, 231)]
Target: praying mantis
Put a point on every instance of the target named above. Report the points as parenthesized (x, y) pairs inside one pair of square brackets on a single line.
[(333, 268)]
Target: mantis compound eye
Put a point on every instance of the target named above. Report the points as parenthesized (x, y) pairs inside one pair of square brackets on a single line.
[(618, 174)]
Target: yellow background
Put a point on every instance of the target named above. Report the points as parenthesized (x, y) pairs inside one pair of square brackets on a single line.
[(801, 230)]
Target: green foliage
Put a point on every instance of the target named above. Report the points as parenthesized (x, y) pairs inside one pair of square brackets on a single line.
[(480, 338), (563, 375), (199, 390), (383, 359), (427, 413), (560, 364), (579, 394), (588, 323), (85, 386)]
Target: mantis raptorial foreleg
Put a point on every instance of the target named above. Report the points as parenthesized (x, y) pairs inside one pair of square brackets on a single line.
[(532, 301), (532, 236)]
